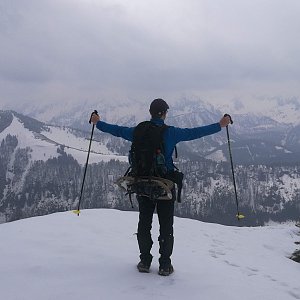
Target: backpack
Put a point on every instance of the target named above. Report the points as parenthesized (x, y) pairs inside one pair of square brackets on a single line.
[(147, 175), (146, 156)]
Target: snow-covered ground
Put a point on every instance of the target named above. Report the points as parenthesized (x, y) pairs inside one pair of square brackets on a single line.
[(94, 256)]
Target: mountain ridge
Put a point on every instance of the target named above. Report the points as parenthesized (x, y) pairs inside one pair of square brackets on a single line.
[(39, 163)]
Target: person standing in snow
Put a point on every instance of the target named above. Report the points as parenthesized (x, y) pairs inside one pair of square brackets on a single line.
[(165, 209)]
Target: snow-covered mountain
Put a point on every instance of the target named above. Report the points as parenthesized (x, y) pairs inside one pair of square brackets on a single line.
[(259, 137), (94, 256), (282, 110), (42, 164), (43, 141), (255, 139)]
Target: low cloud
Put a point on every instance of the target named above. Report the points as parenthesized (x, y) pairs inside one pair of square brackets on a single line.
[(54, 50)]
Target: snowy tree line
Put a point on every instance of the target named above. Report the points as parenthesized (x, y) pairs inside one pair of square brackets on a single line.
[(30, 188)]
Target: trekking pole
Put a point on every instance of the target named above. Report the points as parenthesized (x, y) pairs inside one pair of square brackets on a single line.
[(239, 215), (86, 164)]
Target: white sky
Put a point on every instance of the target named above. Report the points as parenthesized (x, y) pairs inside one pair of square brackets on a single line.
[(57, 50)]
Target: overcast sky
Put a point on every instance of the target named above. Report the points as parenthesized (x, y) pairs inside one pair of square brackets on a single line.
[(57, 50)]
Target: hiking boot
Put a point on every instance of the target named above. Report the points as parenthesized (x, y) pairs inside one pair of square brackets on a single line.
[(166, 270), (143, 267)]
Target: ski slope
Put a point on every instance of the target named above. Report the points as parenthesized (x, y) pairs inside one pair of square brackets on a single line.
[(93, 256), (43, 146)]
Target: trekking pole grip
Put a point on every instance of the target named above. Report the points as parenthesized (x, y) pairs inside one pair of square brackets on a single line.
[(227, 115), (93, 113)]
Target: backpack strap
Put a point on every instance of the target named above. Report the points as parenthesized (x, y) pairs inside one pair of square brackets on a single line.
[(176, 152)]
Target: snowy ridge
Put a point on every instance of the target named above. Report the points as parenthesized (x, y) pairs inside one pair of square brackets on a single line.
[(286, 111), (41, 149), (76, 114), (266, 186), (44, 145), (259, 137), (62, 256), (77, 146), (217, 156), (254, 124), (281, 110)]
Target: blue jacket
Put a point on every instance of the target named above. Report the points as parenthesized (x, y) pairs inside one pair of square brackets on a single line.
[(172, 135)]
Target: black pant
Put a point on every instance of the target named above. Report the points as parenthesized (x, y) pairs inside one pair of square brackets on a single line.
[(165, 212)]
